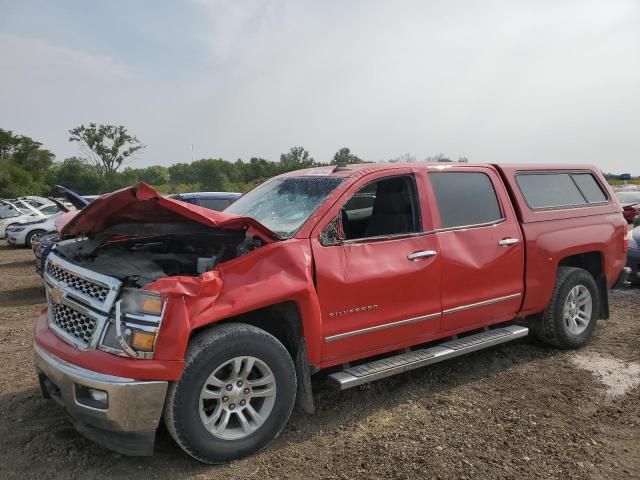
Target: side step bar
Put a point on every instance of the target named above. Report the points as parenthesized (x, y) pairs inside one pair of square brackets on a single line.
[(377, 369)]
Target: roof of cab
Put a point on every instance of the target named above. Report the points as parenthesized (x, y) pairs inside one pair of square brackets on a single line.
[(351, 169), (348, 170)]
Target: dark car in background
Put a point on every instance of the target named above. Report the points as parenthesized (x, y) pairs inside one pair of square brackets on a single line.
[(630, 201), (212, 200)]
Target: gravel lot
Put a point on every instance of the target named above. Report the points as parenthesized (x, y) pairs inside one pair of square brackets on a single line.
[(517, 411)]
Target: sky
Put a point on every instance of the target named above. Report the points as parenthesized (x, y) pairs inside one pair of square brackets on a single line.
[(493, 81)]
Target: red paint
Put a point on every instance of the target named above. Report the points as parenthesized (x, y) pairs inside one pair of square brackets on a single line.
[(322, 281)]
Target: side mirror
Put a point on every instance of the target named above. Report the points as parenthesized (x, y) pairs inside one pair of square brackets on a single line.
[(636, 221), (333, 233)]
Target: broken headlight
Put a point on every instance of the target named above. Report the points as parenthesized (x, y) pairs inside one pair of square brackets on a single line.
[(134, 329)]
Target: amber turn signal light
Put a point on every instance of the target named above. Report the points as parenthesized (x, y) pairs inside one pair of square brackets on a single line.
[(152, 305), (143, 341)]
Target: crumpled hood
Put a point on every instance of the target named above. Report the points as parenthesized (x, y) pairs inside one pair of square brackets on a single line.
[(141, 203)]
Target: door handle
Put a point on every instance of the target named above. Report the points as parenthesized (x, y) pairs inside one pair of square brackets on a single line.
[(422, 254), (506, 242)]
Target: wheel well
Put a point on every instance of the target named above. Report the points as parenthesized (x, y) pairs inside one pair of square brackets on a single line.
[(592, 262), (281, 320)]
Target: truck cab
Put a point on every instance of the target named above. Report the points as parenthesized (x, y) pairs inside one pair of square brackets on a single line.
[(216, 321)]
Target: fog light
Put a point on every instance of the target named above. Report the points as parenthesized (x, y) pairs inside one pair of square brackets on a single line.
[(92, 397), (98, 395)]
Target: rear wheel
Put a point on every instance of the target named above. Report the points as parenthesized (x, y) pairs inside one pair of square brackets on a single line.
[(570, 318), (235, 395)]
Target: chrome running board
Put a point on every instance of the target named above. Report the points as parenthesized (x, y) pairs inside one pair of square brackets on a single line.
[(377, 369)]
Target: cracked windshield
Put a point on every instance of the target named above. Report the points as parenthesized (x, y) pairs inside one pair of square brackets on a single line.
[(284, 204)]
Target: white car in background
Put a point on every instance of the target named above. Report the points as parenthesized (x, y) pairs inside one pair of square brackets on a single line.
[(29, 214), (22, 234)]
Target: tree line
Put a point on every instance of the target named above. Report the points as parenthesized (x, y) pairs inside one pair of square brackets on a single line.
[(27, 168), (105, 154)]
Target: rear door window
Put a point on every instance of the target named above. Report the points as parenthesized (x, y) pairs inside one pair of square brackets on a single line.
[(465, 198)]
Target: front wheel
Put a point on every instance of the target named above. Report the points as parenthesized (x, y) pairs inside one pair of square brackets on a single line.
[(570, 318), (33, 236), (235, 395)]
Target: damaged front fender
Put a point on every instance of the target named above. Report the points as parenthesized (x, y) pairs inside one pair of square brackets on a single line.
[(276, 273)]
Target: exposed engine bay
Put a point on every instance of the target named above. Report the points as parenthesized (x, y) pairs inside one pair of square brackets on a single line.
[(140, 253)]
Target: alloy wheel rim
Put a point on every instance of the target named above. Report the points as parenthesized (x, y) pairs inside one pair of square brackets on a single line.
[(577, 310), (237, 398)]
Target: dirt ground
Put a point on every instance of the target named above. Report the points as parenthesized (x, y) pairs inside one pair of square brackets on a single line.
[(521, 410)]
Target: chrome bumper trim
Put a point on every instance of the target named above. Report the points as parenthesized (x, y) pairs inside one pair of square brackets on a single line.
[(133, 406)]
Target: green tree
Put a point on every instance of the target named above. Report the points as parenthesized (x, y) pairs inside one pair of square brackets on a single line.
[(8, 143), (23, 165), (182, 173), (105, 146), (153, 175), (209, 174), (345, 157), (78, 175), (16, 181), (295, 159)]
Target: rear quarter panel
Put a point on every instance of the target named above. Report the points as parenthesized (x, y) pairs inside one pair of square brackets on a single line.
[(548, 243), (553, 235)]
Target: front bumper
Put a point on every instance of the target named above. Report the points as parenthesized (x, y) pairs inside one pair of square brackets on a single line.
[(16, 238), (13, 239), (126, 422)]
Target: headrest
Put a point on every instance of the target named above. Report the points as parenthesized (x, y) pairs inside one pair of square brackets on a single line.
[(392, 203)]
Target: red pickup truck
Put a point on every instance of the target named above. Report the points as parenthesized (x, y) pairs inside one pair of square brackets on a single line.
[(216, 321)]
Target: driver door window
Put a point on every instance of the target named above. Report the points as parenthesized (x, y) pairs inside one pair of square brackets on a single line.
[(388, 206)]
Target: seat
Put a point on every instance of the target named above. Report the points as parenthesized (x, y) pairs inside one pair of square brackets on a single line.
[(392, 212)]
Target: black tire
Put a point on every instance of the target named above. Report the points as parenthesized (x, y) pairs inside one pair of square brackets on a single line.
[(206, 352), (29, 239), (550, 327)]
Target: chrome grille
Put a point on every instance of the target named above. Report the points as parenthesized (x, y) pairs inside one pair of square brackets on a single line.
[(77, 283), (79, 301), (77, 325)]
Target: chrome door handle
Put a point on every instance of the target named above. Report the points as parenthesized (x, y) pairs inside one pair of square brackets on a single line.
[(422, 254), (505, 242)]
